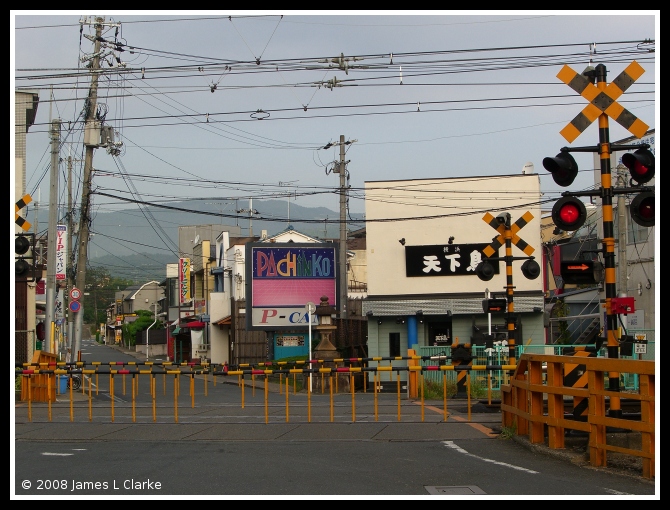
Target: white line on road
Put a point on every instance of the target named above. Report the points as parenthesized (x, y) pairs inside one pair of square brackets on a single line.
[(454, 446), (57, 454)]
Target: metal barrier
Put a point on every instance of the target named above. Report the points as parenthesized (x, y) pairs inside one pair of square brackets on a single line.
[(116, 370)]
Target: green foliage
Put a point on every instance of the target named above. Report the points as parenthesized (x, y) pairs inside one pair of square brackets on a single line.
[(99, 293), (434, 391), (145, 318), (508, 432), (561, 309)]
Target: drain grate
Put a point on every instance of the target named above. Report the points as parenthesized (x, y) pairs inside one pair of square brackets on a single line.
[(454, 490)]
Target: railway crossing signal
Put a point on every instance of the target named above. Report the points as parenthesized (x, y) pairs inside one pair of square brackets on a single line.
[(494, 305), (602, 101), (643, 209), (582, 271), (563, 168), (640, 164), (567, 213), (18, 219), (24, 255)]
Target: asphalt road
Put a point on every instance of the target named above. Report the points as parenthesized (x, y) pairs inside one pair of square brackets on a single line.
[(233, 444)]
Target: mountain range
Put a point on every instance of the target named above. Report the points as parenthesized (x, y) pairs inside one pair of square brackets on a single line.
[(137, 243)]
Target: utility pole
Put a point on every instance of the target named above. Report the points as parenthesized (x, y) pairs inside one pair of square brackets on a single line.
[(251, 212), (343, 233), (84, 214), (341, 168), (50, 313)]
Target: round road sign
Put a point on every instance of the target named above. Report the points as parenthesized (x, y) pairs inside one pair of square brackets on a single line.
[(75, 306), (75, 294)]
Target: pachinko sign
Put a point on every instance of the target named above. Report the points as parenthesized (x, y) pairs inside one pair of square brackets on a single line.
[(184, 281), (283, 278)]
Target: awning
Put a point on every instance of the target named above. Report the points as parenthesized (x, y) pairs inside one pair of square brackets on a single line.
[(194, 324), (225, 321)]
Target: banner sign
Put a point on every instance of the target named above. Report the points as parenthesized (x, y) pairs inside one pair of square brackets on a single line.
[(184, 280), (61, 251)]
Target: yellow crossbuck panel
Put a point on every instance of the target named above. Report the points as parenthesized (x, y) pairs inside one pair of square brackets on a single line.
[(500, 239), (602, 101), (18, 219)]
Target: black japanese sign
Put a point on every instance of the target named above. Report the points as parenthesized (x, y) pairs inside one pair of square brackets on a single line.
[(445, 259)]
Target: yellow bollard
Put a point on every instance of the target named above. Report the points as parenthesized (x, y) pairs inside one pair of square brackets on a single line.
[(133, 397), (49, 393), (90, 399), (353, 399), (205, 383), (422, 401), (467, 381), (374, 392), (71, 399), (176, 393), (192, 390), (309, 403), (287, 399), (266, 399), (153, 395), (242, 375), (398, 379), (123, 383), (444, 391), (330, 385), (30, 401), (96, 382), (111, 392)]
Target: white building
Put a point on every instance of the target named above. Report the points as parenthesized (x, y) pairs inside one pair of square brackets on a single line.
[(424, 239)]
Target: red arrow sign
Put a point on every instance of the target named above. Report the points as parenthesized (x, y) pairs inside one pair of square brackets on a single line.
[(583, 267)]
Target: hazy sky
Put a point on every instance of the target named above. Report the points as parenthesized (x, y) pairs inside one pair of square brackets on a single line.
[(235, 104)]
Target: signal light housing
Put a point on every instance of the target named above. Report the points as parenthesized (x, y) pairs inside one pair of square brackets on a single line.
[(485, 270), (494, 305), (569, 214), (640, 164), (24, 265), (530, 269), (563, 168), (642, 209), (581, 271)]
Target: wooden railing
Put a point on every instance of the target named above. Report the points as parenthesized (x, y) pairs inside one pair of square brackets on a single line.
[(539, 378)]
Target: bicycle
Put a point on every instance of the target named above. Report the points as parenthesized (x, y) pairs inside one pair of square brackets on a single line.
[(75, 381)]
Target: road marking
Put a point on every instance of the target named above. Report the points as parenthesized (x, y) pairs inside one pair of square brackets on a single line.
[(57, 454), (618, 493), (454, 446)]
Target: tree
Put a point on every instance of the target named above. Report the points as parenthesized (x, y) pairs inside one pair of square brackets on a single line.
[(145, 318), (99, 294)]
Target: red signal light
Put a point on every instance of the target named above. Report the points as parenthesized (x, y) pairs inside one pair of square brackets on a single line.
[(569, 214), (643, 209), (641, 165)]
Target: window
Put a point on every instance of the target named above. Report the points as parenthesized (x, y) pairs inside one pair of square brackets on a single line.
[(394, 344)]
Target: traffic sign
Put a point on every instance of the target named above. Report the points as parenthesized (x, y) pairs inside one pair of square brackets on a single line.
[(581, 271), (75, 294), (75, 306), (602, 101)]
